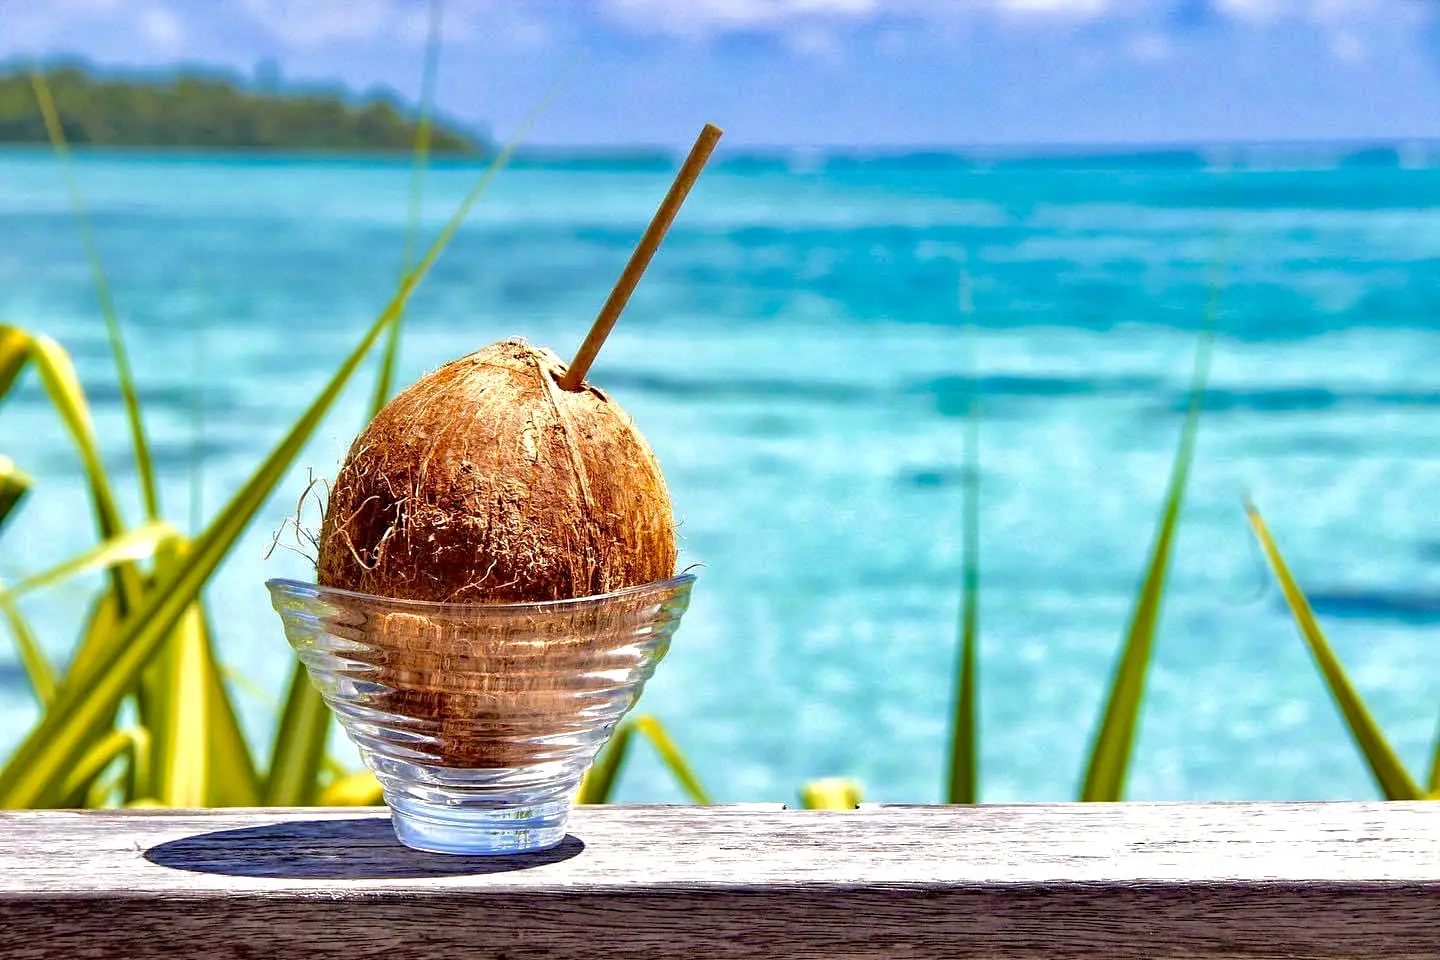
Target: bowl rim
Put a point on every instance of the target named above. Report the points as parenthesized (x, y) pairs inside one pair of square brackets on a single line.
[(288, 585)]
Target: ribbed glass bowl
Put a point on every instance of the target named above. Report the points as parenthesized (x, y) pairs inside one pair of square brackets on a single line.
[(480, 719)]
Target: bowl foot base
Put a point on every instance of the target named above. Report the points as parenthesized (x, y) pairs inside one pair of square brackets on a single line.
[(492, 828)]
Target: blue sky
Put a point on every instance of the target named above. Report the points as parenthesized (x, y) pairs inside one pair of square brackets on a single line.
[(823, 72)]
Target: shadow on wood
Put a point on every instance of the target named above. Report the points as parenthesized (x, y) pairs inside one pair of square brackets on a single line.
[(360, 849)]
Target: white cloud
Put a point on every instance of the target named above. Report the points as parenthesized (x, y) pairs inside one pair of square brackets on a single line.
[(1348, 47), (1149, 47), (816, 43), (698, 17), (811, 27), (38, 26), (312, 23), (307, 24), (1325, 11), (1083, 8), (162, 28), (1352, 29), (693, 17)]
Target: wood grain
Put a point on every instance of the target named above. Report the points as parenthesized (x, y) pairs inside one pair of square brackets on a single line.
[(1275, 881)]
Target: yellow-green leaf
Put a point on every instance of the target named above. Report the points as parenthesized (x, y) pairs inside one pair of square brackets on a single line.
[(14, 354), (54, 743), (673, 759), (57, 375), (598, 784), (103, 619), (137, 544), (1109, 763), (14, 484), (37, 666), (298, 756), (832, 793), (200, 757), (1435, 769), (1389, 773), (181, 725), (102, 790), (233, 779), (103, 753), (13, 487)]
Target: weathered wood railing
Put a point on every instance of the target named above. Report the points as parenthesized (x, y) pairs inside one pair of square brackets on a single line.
[(1355, 880)]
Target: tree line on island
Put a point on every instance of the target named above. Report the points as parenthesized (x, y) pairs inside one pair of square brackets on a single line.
[(212, 111)]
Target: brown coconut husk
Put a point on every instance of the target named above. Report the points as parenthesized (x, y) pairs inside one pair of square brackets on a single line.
[(487, 482)]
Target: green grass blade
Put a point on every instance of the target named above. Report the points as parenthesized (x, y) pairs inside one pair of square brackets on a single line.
[(103, 620), (14, 484), (58, 378), (103, 753), (57, 375), (1390, 774), (37, 666), (963, 784), (200, 757), (143, 463), (102, 789), (385, 382), (1435, 770), (1109, 762), (53, 744), (56, 741), (598, 785), (831, 793), (182, 755), (123, 549), (673, 759), (14, 355), (233, 780), (301, 739), (101, 623), (137, 544)]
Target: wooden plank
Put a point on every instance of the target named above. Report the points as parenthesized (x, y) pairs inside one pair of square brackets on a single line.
[(1275, 881)]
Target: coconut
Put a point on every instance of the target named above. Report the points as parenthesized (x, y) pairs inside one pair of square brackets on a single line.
[(487, 482), (504, 478)]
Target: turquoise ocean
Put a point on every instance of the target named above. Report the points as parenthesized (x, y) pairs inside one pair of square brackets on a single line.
[(797, 357)]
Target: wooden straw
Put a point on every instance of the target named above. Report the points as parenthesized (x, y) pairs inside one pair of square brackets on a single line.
[(640, 259)]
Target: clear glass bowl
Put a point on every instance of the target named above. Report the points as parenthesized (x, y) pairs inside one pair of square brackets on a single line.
[(480, 719)]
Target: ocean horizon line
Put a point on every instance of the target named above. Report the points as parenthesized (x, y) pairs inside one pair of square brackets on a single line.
[(1383, 152)]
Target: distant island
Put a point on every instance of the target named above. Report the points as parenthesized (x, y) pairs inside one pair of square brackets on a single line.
[(193, 109)]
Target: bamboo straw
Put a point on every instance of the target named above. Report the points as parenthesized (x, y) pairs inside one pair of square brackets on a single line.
[(640, 259)]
